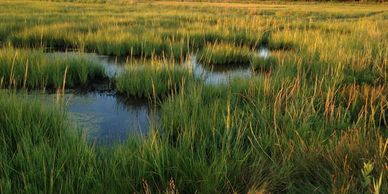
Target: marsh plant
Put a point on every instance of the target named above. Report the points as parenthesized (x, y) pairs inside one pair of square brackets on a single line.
[(33, 69), (153, 82)]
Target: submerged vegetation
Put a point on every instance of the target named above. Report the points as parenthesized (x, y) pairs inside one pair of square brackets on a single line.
[(312, 119)]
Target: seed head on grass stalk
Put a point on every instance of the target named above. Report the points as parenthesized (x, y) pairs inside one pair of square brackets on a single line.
[(64, 80), (11, 75), (25, 75)]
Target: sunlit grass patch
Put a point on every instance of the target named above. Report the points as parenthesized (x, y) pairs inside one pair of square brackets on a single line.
[(225, 54), (151, 81)]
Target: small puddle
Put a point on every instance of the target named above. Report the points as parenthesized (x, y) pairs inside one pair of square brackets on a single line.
[(264, 52), (106, 118)]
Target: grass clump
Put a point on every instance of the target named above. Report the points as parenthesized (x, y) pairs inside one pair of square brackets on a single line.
[(148, 81), (38, 144), (224, 54), (33, 69)]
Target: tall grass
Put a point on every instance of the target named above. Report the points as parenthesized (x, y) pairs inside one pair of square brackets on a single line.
[(228, 142), (38, 144), (244, 132)]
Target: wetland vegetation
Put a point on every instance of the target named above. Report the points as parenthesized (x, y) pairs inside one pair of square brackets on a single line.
[(307, 113)]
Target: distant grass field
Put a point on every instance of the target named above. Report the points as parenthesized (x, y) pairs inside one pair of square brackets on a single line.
[(312, 119)]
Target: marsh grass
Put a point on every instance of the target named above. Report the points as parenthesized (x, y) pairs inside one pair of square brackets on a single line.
[(33, 69), (306, 126), (37, 143), (137, 46), (153, 82), (246, 122), (225, 136), (221, 54)]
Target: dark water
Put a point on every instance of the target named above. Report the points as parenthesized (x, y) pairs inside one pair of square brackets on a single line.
[(105, 118)]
